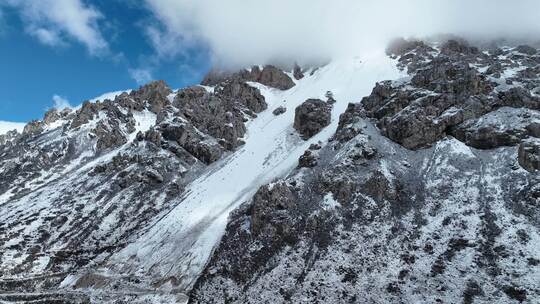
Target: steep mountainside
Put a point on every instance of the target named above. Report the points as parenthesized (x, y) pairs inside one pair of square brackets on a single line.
[(420, 196), (410, 177)]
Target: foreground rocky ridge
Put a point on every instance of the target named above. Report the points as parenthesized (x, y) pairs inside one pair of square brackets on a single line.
[(428, 192)]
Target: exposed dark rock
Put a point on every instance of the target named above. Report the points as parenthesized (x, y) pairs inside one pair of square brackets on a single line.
[(515, 293), (272, 77), (330, 97), (155, 93), (279, 110), (503, 127), (187, 137), (445, 76), (269, 76), (213, 115), (348, 126), (271, 212), (315, 146), (448, 96), (51, 116), (33, 128), (297, 72), (529, 154), (108, 136), (153, 136), (311, 117), (526, 49), (452, 47), (244, 94), (307, 160), (86, 113), (519, 97), (400, 46)]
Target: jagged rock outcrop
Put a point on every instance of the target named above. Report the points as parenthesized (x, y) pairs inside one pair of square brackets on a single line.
[(32, 128), (203, 148), (297, 72), (86, 113), (503, 127), (307, 160), (155, 94), (221, 114), (446, 96), (529, 154), (244, 94), (311, 117), (269, 75)]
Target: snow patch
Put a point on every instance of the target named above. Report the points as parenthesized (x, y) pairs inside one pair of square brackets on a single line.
[(6, 126)]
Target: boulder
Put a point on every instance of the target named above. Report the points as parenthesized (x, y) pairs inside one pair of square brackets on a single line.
[(311, 117), (279, 110), (529, 154), (307, 160), (518, 97)]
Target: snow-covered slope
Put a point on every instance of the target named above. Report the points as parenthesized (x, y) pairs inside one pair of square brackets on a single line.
[(179, 244), (6, 126)]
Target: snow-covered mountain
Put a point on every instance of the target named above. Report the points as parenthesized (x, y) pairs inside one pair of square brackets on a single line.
[(6, 126), (409, 176)]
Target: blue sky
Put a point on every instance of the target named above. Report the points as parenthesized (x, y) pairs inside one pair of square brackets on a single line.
[(40, 58)]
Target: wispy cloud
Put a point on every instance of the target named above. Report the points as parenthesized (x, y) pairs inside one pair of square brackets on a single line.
[(60, 102), (141, 75), (55, 22)]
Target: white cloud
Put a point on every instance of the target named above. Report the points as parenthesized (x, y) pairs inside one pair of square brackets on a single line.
[(141, 76), (53, 22), (257, 31), (60, 102), (47, 37)]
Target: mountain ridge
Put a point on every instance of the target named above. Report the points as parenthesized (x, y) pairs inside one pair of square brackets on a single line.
[(127, 199)]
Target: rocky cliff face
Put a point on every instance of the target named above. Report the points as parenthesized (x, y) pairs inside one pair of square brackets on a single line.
[(421, 196)]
